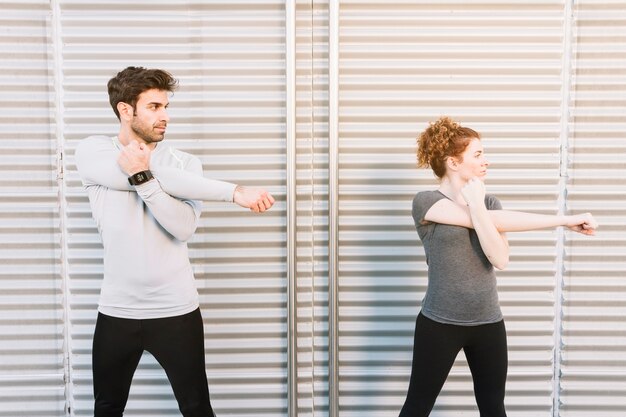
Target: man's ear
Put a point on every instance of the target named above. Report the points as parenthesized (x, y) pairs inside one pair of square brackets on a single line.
[(126, 110)]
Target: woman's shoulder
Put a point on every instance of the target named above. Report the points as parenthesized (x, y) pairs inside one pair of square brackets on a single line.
[(426, 198), (426, 194)]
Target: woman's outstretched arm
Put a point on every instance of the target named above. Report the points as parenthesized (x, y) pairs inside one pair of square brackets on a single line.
[(490, 225), (448, 212)]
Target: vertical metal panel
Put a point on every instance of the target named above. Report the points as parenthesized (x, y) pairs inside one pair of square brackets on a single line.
[(31, 308), (494, 66), (229, 111), (291, 196), (312, 205), (593, 367), (562, 204), (333, 208)]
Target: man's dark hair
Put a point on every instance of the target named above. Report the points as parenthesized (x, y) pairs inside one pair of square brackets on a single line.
[(129, 83)]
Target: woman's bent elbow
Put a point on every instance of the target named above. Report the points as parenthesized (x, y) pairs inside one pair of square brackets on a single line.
[(500, 263)]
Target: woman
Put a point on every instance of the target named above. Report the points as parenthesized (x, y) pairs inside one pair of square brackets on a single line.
[(463, 233)]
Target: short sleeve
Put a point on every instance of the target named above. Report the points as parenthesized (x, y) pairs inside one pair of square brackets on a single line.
[(492, 202), (422, 202)]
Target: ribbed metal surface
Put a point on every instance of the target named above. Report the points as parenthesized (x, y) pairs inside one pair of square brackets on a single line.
[(229, 111), (498, 66), (31, 304), (594, 334), (495, 66)]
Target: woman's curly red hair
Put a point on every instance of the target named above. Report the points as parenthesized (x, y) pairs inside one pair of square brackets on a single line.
[(442, 139)]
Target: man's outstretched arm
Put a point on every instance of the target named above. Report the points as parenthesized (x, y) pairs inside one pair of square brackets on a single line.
[(97, 162), (100, 162)]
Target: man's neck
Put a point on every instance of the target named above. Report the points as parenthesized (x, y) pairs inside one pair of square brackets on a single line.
[(125, 137)]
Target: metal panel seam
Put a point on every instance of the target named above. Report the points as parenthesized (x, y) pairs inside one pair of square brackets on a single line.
[(562, 205), (312, 214), (58, 91), (333, 212), (290, 56)]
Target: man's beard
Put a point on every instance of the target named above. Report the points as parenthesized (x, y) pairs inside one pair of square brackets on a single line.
[(148, 135)]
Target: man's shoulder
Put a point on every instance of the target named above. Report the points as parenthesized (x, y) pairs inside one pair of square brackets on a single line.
[(175, 150), (172, 150), (95, 140), (174, 156), (91, 147), (99, 137)]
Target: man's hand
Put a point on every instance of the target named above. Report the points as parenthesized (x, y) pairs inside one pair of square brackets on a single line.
[(256, 199), (134, 158), (474, 193), (582, 223)]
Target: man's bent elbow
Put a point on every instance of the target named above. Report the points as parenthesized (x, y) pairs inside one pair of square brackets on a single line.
[(184, 235)]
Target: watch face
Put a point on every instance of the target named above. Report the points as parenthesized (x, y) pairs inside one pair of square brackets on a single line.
[(140, 178)]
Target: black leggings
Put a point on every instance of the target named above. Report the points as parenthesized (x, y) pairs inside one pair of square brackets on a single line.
[(435, 348), (177, 343)]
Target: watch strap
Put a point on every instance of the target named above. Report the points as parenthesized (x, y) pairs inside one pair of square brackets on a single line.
[(140, 177)]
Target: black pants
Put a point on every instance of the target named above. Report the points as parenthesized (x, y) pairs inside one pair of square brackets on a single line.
[(177, 343), (435, 348)]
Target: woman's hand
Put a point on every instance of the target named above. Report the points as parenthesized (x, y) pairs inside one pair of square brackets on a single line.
[(474, 192), (582, 223)]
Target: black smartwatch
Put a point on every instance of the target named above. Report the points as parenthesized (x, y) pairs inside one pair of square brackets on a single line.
[(140, 177)]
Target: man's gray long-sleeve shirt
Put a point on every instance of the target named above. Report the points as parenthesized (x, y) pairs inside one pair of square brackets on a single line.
[(147, 273)]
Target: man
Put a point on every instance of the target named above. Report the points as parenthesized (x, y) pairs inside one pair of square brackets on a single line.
[(145, 198)]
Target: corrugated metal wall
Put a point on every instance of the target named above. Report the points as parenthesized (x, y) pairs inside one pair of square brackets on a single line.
[(230, 111), (31, 267), (542, 80), (593, 378), (496, 67), (311, 105)]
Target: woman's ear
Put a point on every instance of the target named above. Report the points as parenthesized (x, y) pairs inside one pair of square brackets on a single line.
[(452, 163)]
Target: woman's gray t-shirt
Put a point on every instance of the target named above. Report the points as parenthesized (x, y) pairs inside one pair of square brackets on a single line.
[(462, 286)]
